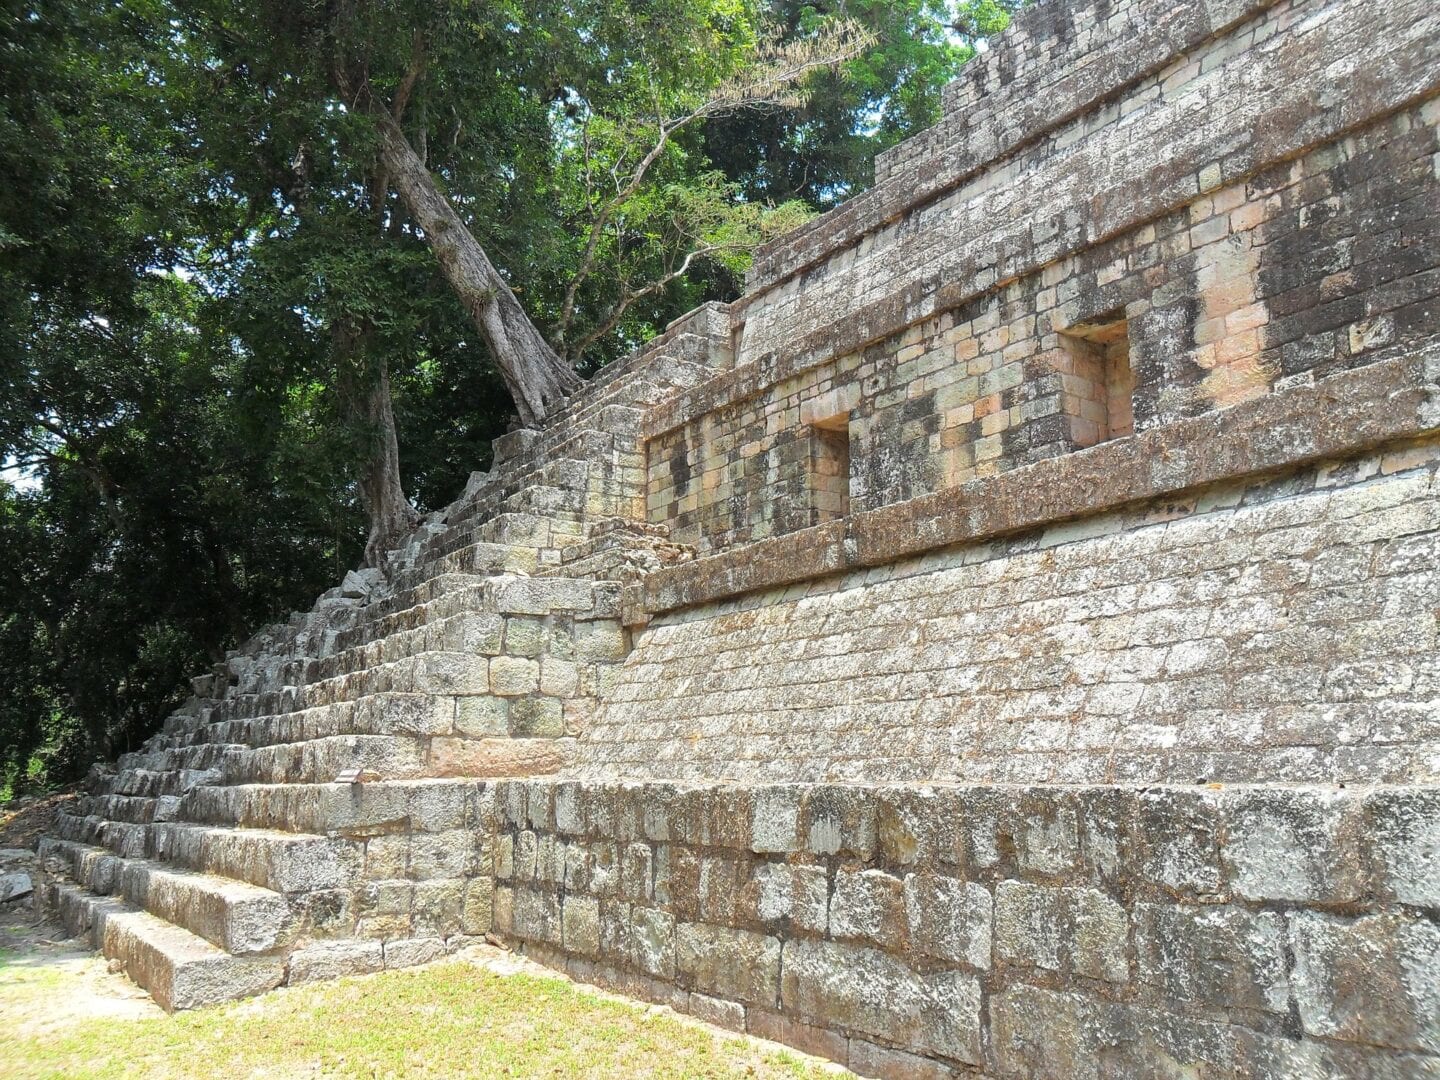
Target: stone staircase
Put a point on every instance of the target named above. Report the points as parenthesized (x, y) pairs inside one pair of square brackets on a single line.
[(316, 808)]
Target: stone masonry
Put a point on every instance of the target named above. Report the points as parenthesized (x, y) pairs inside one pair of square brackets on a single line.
[(1001, 643)]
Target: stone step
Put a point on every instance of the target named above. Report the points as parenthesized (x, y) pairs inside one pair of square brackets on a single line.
[(180, 970), (241, 918), (320, 761), (281, 860), (152, 783), (432, 672), (344, 810), (277, 860), (122, 837), (134, 809), (155, 758)]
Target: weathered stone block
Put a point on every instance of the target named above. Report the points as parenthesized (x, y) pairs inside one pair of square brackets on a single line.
[(408, 952), (477, 913), (536, 718), (775, 826), (1370, 980), (869, 905), (1402, 831), (653, 939), (725, 1014), (1299, 844), (580, 918), (437, 906), (1099, 947), (332, 959), (482, 715), (1031, 923), (949, 919), (513, 676), (735, 964), (869, 991), (1226, 957), (796, 892)]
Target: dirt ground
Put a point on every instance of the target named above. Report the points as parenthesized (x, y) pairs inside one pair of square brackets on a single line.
[(36, 957), (24, 821)]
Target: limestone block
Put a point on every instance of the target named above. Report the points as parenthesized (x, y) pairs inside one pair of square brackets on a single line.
[(15, 885), (580, 919), (797, 892), (1031, 924), (869, 905), (451, 673), (949, 919), (872, 992), (536, 718), (725, 1014), (1294, 844), (512, 676), (775, 826), (1403, 832), (653, 939), (482, 714), (1369, 980), (838, 820), (727, 963), (1100, 942), (1226, 957), (538, 596), (477, 914), (448, 854), (600, 640), (525, 636), (867, 1059), (560, 678), (407, 952), (497, 757), (1179, 834), (570, 808), (332, 959), (637, 872), (437, 907), (537, 916), (386, 898), (617, 932)]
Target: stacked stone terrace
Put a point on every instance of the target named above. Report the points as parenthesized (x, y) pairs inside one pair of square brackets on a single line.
[(1002, 643), (223, 858)]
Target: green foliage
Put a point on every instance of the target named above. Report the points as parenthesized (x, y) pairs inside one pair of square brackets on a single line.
[(202, 270), (822, 151)]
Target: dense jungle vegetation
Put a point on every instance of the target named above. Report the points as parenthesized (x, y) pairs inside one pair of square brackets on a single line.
[(236, 357)]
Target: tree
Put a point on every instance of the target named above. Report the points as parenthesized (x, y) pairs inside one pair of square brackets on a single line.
[(221, 323), (822, 150)]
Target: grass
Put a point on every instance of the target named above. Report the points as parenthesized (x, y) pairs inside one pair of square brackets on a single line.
[(453, 1019)]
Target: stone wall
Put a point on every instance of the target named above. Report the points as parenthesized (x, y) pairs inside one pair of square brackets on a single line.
[(1280, 629), (1269, 241), (1038, 931)]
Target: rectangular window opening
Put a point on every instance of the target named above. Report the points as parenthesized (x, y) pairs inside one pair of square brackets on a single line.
[(1100, 387), (830, 468)]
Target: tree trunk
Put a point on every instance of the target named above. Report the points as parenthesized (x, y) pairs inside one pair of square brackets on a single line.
[(387, 510), (538, 379)]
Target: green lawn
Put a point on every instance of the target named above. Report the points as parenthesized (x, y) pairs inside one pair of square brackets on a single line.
[(449, 1019)]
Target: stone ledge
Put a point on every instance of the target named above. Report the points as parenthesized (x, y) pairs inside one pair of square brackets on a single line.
[(1336, 417)]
